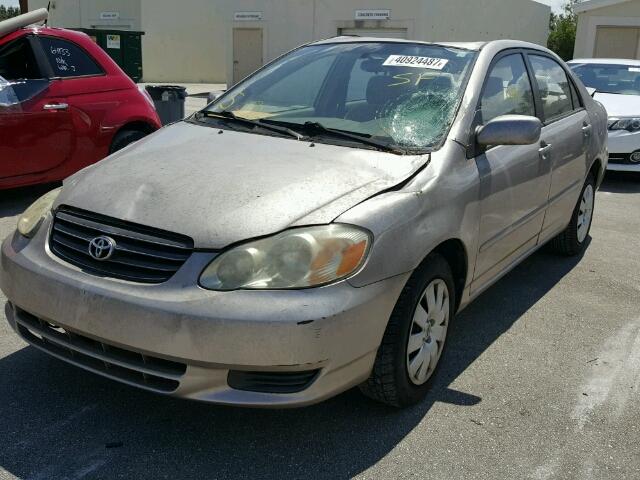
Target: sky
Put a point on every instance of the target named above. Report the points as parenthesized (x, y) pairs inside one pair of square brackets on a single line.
[(556, 4)]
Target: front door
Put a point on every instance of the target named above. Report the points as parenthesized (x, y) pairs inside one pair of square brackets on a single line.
[(36, 127), (514, 180), (247, 52)]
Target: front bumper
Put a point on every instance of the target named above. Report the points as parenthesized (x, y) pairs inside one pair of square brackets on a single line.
[(334, 331), (621, 145)]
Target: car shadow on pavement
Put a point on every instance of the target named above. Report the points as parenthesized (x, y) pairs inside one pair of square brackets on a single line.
[(59, 421), (621, 182), (15, 201)]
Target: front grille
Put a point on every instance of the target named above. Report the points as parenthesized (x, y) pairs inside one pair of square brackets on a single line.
[(623, 158), (131, 367), (271, 382), (141, 254)]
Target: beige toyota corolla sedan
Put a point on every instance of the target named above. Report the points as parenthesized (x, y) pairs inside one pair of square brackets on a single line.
[(315, 228)]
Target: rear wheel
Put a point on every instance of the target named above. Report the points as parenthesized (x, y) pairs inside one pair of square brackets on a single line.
[(124, 138), (574, 239), (415, 336)]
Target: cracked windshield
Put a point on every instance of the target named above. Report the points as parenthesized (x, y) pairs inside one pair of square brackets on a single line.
[(398, 96)]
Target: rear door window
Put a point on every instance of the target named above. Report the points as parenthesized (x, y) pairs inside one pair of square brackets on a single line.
[(67, 59), (553, 85)]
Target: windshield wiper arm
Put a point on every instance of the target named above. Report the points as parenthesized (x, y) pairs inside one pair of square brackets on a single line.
[(228, 115), (312, 128)]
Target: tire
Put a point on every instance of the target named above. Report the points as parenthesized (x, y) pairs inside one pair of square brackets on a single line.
[(573, 240), (124, 138), (390, 381)]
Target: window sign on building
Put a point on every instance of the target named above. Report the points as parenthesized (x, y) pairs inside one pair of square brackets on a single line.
[(373, 14), (247, 16), (109, 15)]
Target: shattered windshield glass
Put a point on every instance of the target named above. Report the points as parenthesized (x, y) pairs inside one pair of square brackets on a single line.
[(400, 94)]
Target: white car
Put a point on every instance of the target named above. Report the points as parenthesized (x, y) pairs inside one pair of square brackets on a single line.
[(617, 86)]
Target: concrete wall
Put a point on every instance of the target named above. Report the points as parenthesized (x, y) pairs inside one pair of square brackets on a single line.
[(626, 14), (191, 40)]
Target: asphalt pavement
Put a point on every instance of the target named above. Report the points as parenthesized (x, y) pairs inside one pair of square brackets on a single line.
[(541, 380)]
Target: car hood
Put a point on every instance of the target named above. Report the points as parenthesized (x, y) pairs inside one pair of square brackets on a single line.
[(620, 105), (221, 187)]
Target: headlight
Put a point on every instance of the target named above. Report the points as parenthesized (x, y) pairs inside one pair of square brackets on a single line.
[(297, 258), (629, 124), (31, 219)]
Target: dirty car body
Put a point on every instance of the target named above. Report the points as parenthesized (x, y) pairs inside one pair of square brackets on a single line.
[(144, 268)]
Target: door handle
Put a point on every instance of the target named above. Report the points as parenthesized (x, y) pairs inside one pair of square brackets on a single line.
[(586, 130), (544, 150), (56, 106)]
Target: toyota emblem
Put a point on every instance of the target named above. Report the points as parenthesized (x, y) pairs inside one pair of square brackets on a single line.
[(102, 248)]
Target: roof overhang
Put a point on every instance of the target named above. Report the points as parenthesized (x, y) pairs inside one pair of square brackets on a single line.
[(587, 5)]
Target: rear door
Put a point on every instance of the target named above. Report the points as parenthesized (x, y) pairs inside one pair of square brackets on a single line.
[(514, 180), (567, 131), (36, 129)]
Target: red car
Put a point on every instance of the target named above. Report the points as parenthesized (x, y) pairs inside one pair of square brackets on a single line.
[(64, 104)]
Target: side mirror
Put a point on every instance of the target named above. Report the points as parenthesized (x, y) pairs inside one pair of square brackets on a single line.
[(509, 130), (215, 95), (591, 91)]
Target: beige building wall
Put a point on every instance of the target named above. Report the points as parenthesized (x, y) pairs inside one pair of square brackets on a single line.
[(191, 40), (622, 15), (87, 13)]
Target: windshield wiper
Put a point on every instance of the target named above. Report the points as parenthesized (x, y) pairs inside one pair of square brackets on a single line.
[(316, 128), (230, 116)]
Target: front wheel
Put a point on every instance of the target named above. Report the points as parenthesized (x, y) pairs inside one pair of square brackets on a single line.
[(574, 238), (415, 336), (125, 138)]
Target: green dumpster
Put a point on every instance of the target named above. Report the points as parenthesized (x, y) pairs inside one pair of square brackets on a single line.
[(124, 46)]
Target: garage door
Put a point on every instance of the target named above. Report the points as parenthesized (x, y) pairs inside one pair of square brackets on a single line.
[(375, 32), (617, 42)]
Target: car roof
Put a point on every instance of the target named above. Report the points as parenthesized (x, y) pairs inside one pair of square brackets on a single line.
[(606, 61), (55, 32), (475, 46)]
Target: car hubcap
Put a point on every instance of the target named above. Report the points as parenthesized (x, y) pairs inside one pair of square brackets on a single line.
[(428, 332), (585, 214)]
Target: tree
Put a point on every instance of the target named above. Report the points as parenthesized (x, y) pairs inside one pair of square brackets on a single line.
[(8, 12), (562, 31)]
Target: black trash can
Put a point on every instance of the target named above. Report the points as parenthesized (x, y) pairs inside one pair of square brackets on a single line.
[(169, 101)]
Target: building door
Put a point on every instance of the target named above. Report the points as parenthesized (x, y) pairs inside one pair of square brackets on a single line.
[(616, 42), (247, 52), (375, 32)]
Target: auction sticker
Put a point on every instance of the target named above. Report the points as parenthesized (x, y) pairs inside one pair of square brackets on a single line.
[(415, 62)]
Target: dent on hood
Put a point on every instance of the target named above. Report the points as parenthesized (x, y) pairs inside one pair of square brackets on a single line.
[(222, 189)]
